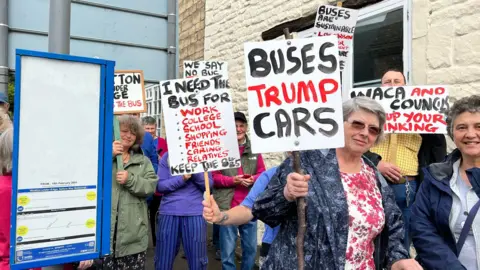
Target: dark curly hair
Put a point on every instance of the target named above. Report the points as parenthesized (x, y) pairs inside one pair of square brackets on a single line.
[(469, 104)]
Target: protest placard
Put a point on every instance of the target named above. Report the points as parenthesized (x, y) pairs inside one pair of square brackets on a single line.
[(411, 109), (294, 96), (205, 69), (129, 92), (332, 20), (199, 124)]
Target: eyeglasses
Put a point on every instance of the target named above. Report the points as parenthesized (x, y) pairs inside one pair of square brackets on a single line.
[(358, 125)]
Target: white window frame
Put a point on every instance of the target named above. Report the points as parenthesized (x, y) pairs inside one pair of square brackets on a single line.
[(384, 7), (371, 11)]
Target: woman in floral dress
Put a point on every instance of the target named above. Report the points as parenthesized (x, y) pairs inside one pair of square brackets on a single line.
[(353, 221)]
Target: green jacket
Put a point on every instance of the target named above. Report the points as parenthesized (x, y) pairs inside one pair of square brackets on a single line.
[(224, 196), (129, 203)]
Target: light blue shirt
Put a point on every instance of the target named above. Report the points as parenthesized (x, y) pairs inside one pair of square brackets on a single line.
[(257, 189)]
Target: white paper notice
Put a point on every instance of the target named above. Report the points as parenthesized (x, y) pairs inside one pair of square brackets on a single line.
[(205, 69), (200, 125), (332, 20), (411, 109), (129, 92)]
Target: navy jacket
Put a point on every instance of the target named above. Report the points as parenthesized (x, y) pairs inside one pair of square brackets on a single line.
[(429, 222), (150, 150), (327, 217)]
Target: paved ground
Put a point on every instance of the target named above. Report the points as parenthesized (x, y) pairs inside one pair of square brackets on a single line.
[(181, 263)]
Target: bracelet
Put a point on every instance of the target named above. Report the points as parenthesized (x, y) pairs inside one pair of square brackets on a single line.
[(224, 217)]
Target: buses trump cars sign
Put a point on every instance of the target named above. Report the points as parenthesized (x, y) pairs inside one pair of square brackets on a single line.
[(410, 109), (200, 125), (294, 96)]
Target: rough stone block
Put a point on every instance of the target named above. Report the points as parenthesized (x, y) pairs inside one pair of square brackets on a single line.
[(419, 60), (467, 49), (467, 24), (439, 46)]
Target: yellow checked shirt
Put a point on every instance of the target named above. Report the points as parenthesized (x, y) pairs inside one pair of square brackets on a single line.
[(408, 146)]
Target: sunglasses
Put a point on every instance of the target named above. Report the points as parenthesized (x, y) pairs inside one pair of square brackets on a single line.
[(358, 125)]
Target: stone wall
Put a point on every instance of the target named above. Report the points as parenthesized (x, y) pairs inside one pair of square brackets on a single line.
[(191, 30), (229, 24), (446, 45)]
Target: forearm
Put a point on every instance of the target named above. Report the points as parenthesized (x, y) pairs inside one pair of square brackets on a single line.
[(238, 215)]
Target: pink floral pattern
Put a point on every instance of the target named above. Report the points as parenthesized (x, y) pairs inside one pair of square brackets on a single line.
[(367, 217)]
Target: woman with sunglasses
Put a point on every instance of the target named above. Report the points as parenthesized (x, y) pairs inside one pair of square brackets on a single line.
[(353, 221)]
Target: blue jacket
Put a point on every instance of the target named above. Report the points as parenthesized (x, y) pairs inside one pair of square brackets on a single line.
[(429, 222), (327, 217), (150, 150)]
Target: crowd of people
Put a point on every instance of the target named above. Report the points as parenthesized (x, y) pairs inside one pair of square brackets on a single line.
[(369, 203)]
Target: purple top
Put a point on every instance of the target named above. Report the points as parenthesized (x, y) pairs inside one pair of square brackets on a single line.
[(180, 198)]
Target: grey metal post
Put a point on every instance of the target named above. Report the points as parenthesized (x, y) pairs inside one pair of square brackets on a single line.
[(4, 46), (59, 26)]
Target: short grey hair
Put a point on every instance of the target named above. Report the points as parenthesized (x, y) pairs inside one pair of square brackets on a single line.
[(469, 104), (6, 151), (148, 120), (366, 104)]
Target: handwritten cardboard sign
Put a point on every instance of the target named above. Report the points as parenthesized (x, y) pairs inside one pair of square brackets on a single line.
[(294, 94), (411, 109), (205, 69), (200, 125), (332, 20), (129, 92)]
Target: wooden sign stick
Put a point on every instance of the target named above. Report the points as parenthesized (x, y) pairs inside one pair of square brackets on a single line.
[(207, 186), (301, 203), (116, 132)]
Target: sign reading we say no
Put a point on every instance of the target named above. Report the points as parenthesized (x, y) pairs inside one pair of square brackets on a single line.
[(129, 92), (294, 94), (200, 125), (411, 109), (332, 20), (205, 69)]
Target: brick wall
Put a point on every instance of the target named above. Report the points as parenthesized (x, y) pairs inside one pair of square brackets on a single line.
[(191, 30)]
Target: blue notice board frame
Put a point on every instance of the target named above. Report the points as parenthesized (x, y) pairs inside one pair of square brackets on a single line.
[(104, 184)]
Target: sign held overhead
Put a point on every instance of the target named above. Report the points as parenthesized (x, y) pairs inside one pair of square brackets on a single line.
[(411, 109), (294, 94), (205, 69), (199, 124), (338, 21), (129, 92)]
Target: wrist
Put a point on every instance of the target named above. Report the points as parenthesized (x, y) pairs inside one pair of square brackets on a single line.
[(287, 195), (223, 218)]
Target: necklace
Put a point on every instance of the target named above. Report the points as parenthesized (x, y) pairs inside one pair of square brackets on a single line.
[(126, 157)]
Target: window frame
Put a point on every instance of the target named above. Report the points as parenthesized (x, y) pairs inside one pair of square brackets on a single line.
[(375, 10)]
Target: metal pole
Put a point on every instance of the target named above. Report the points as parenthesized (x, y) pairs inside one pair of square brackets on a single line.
[(4, 46), (59, 26)]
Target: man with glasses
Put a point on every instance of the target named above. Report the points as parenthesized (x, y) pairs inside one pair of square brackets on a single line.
[(402, 157)]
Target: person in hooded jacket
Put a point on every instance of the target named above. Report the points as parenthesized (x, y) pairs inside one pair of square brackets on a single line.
[(130, 188), (353, 221), (449, 194)]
